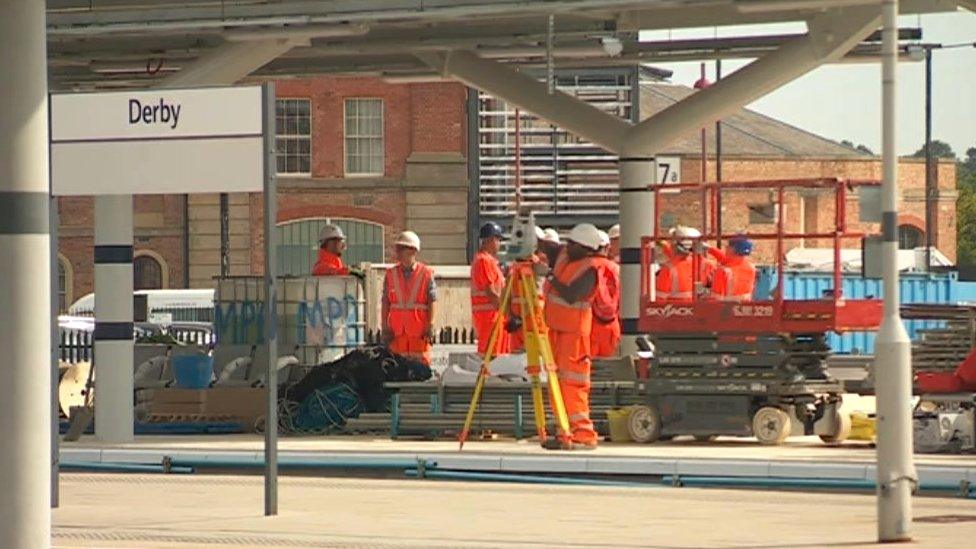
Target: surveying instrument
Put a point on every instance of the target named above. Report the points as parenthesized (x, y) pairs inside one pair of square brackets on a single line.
[(538, 349)]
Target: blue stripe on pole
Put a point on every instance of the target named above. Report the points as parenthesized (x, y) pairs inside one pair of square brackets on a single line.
[(24, 213), (113, 255), (113, 331)]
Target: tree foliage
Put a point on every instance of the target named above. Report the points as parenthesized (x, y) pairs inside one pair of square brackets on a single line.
[(940, 149), (966, 210)]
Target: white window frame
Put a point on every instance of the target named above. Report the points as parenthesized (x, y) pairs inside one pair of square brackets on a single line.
[(346, 137), (311, 132)]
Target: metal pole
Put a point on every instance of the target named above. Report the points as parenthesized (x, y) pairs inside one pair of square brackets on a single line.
[(270, 305), (186, 241), (893, 384), (929, 175), (224, 235), (25, 291), (55, 355), (637, 215), (114, 414), (718, 164)]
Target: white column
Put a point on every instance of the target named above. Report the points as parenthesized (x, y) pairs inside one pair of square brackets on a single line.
[(25, 291), (636, 220), (892, 359), (113, 319)]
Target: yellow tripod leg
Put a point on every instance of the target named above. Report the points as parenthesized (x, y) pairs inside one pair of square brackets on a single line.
[(531, 337), (545, 356), (496, 330)]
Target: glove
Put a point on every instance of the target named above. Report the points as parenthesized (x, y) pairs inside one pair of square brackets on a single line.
[(429, 335), (514, 324), (540, 269), (358, 273), (387, 336)]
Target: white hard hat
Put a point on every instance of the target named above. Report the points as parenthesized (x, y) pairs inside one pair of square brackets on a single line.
[(331, 231), (686, 232), (586, 234), (551, 235), (614, 232), (408, 239), (604, 238), (539, 233), (684, 238)]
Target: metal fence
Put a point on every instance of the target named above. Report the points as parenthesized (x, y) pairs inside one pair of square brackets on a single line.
[(76, 346)]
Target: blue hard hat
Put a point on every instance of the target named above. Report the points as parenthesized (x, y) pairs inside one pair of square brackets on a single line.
[(489, 230), (741, 245)]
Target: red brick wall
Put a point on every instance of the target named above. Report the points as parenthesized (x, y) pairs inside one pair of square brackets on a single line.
[(820, 210), (417, 117), (383, 206)]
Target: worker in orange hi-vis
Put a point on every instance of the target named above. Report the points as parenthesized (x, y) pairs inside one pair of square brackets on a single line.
[(569, 316), (539, 260), (487, 285), (613, 251), (674, 280), (409, 293), (605, 336), (735, 277), (332, 242)]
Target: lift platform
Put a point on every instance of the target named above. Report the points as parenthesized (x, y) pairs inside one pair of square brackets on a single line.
[(747, 368)]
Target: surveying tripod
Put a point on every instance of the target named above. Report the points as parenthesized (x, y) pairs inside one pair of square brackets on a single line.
[(538, 352)]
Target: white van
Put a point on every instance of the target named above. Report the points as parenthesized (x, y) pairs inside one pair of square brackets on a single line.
[(165, 306)]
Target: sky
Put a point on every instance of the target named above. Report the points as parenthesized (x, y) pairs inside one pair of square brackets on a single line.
[(844, 101)]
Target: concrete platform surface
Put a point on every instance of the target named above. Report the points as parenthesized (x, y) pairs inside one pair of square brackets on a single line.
[(208, 511), (800, 457)]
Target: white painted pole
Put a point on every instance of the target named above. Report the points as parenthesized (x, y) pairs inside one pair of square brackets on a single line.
[(25, 291), (636, 221), (55, 356), (897, 477), (113, 319)]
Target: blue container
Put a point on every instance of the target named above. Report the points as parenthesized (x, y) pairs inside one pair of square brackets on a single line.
[(192, 371), (930, 288)]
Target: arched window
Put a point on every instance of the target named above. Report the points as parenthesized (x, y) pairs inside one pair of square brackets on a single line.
[(910, 237), (65, 277), (147, 273), (298, 243)]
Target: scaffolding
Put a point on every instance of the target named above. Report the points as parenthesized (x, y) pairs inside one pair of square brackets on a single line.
[(524, 159)]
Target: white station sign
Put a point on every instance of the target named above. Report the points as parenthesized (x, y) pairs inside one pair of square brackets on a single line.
[(158, 142)]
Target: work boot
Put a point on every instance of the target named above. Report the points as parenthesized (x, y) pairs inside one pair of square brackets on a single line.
[(556, 444), (584, 446)]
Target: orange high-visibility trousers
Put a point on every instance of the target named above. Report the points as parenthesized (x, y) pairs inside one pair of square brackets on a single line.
[(417, 348), (483, 322), (572, 354), (604, 338)]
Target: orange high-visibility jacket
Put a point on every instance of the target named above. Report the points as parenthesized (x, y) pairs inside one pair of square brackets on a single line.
[(735, 280), (562, 316), (329, 264), (674, 280), (606, 298), (485, 273), (409, 301)]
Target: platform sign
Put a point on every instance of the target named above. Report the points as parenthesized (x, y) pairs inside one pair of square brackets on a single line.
[(157, 142)]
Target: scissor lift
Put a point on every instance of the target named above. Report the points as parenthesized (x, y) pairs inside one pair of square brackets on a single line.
[(747, 368)]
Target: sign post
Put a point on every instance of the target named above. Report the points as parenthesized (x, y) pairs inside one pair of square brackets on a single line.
[(270, 304), (172, 141)]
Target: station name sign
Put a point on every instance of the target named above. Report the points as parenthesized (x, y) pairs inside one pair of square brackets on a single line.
[(158, 142)]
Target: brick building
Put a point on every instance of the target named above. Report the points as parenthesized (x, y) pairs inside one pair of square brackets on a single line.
[(377, 157)]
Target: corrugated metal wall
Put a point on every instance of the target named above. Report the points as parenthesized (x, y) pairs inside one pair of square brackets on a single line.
[(943, 288)]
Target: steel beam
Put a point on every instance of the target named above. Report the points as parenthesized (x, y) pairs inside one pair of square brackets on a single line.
[(831, 35), (230, 62), (520, 89)]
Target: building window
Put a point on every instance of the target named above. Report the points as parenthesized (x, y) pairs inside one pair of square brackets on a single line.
[(298, 244), (364, 137), (147, 273), (293, 132), (64, 284), (910, 237)]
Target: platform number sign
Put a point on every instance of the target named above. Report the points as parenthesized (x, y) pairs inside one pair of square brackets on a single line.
[(668, 170)]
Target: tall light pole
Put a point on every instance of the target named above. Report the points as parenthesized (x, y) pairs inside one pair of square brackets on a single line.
[(897, 478)]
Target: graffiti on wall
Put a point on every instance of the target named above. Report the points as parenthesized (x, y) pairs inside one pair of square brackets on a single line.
[(330, 321)]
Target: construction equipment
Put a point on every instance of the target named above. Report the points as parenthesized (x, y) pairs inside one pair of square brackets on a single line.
[(945, 416), (749, 367), (538, 350)]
